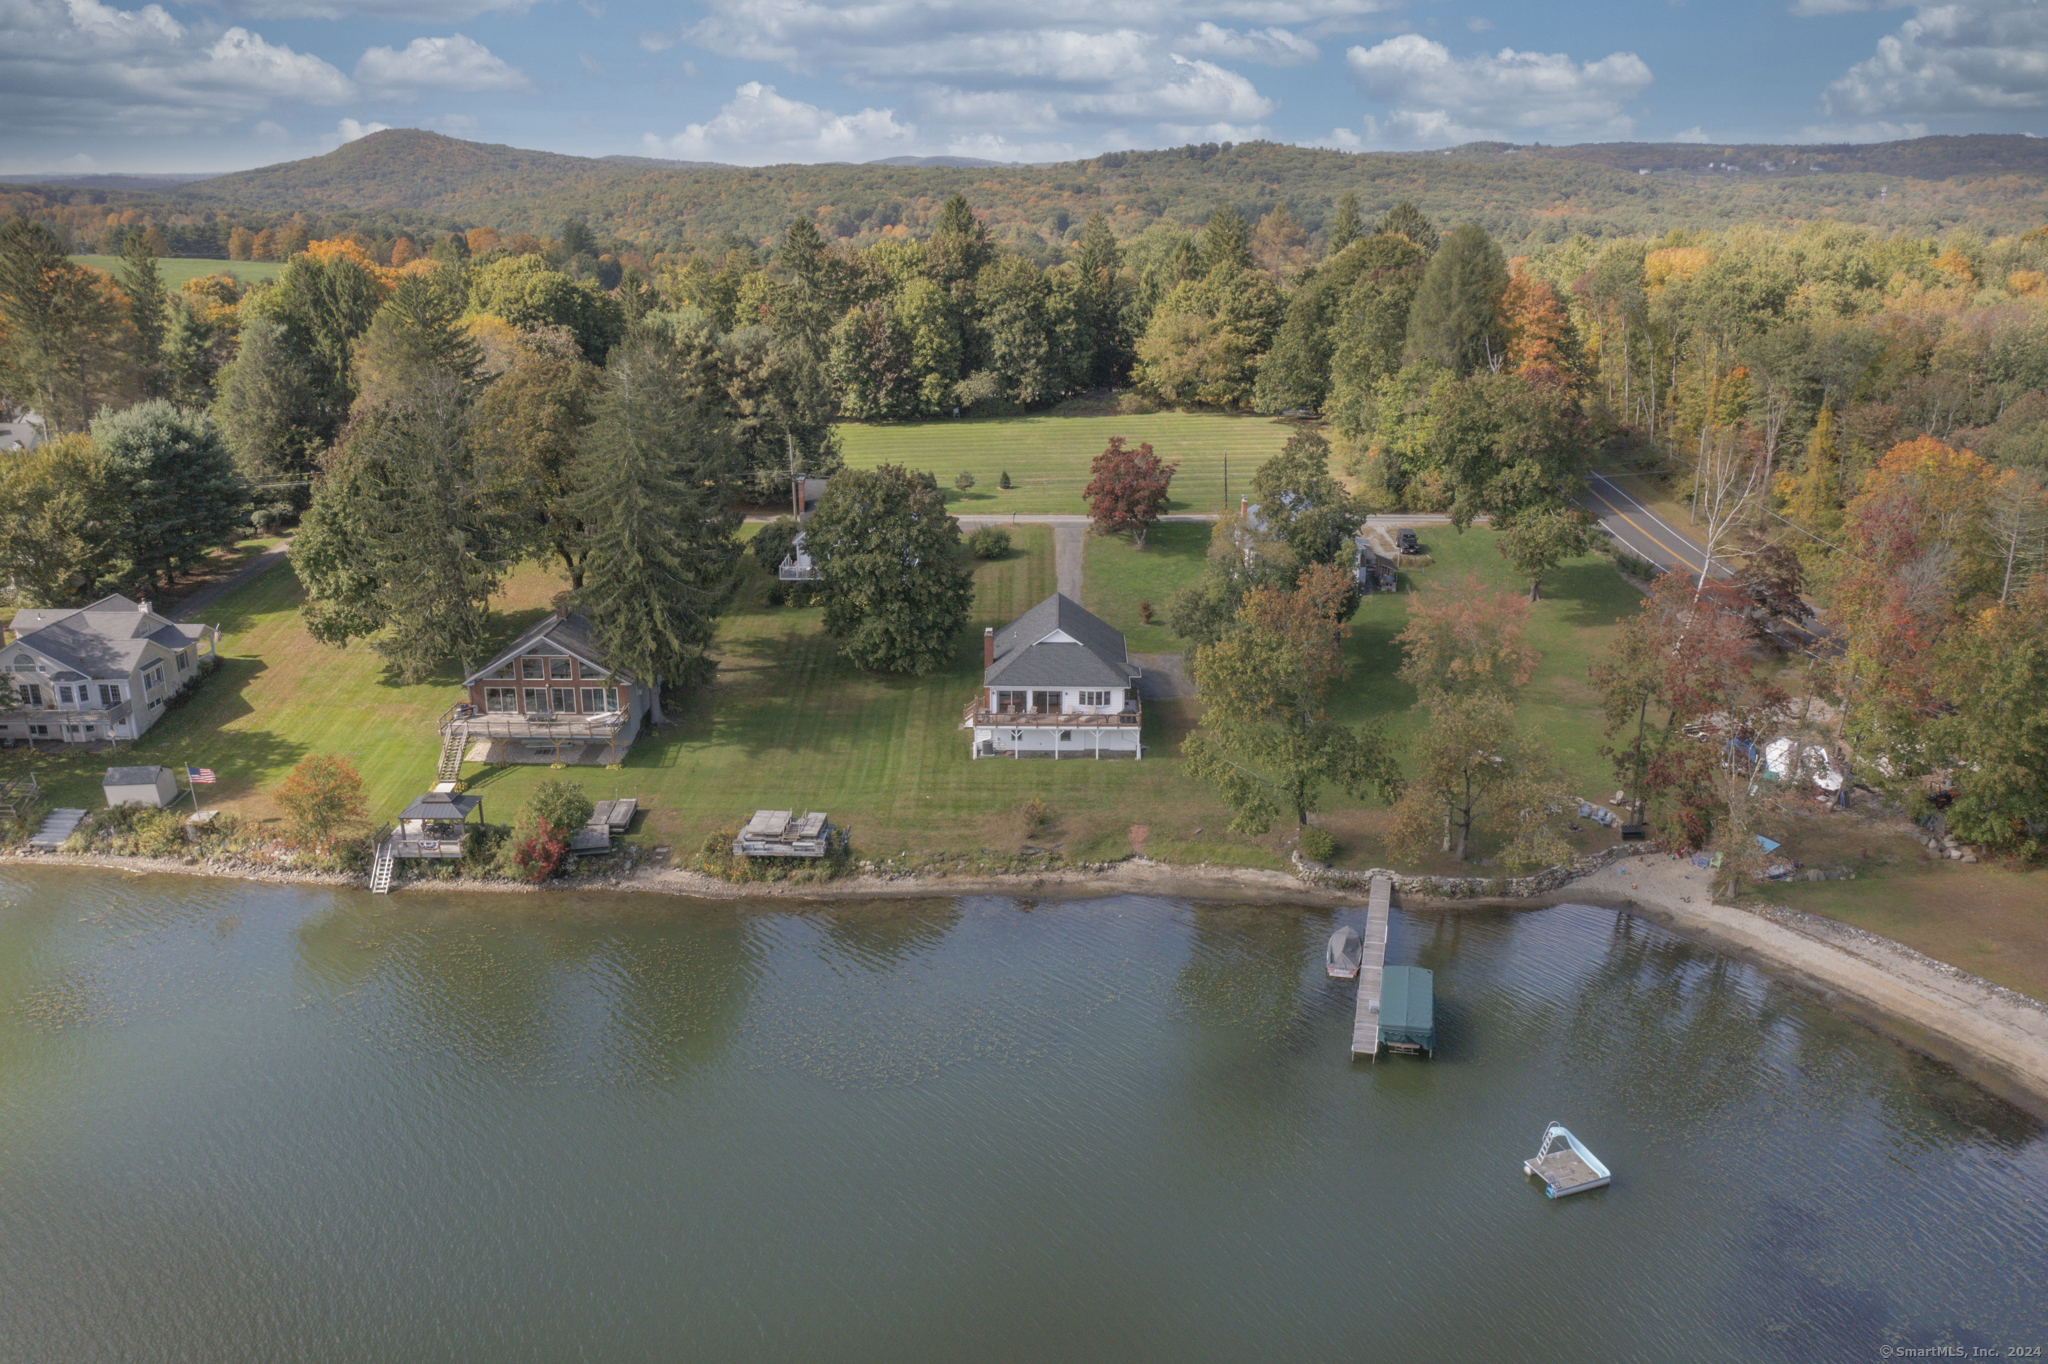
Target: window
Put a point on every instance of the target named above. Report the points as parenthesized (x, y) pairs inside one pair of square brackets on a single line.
[(559, 668), (1012, 702), (1045, 702), (24, 663), (564, 699), (40, 731), (152, 677), (596, 701), (64, 695), (110, 693), (1094, 698), (536, 700), (503, 671), (31, 694), (500, 699), (184, 661), (530, 668)]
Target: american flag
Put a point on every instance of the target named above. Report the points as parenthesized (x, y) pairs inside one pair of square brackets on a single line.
[(200, 776)]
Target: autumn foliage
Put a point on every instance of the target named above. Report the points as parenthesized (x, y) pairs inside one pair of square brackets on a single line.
[(322, 800), (1128, 490)]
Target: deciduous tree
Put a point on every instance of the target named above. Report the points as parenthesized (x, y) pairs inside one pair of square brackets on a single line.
[(885, 548), (1538, 539), (1465, 638), (1472, 768), (1128, 490), (322, 800)]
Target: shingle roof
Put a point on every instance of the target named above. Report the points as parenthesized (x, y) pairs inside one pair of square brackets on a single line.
[(1095, 658), (442, 805), (572, 634), (104, 640)]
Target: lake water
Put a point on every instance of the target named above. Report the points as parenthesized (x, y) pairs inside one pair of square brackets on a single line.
[(249, 1122)]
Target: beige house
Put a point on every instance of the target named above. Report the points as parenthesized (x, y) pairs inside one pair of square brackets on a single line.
[(98, 672)]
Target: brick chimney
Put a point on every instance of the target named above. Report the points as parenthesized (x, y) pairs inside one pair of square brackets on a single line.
[(988, 646)]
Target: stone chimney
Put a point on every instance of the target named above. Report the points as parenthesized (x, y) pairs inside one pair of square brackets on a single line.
[(988, 646), (1244, 504)]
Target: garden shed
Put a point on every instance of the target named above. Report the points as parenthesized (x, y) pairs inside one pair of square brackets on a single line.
[(155, 787)]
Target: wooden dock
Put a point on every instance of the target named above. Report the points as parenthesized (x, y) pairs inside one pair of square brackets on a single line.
[(1365, 1028)]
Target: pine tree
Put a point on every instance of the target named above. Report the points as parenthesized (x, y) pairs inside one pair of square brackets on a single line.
[(654, 484), (1405, 220), (1345, 226), (171, 477), (1226, 241), (1454, 321), (147, 311)]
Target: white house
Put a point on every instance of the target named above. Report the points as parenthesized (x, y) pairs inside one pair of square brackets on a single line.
[(1057, 682), (99, 672), (797, 565)]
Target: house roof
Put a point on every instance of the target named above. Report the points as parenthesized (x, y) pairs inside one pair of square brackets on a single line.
[(571, 634), (132, 776), (1058, 643), (442, 805), (104, 640)]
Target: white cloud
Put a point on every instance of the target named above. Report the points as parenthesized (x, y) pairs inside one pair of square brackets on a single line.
[(1269, 46), (1875, 130), (348, 130), (1479, 24), (1970, 57), (454, 63), (593, 8), (1806, 9), (1347, 140), (1693, 134), (273, 133), (80, 66), (591, 65), (760, 127), (413, 11), (1438, 98)]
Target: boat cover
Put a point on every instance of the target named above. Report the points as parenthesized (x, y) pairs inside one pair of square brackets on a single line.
[(1347, 949), (1408, 1007)]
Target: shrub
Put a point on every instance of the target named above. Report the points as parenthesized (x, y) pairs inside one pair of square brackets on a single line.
[(964, 481), (1145, 612), (539, 855), (990, 542), (1004, 481), (559, 807), (1037, 815), (777, 593), (1318, 844), (773, 541)]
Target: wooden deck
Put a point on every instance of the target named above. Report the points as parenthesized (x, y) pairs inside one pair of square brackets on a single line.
[(1365, 1027), (1564, 1172)]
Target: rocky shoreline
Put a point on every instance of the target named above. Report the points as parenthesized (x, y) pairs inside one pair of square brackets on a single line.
[(1996, 1036)]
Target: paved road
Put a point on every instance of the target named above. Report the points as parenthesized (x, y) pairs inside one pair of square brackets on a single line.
[(1641, 531)]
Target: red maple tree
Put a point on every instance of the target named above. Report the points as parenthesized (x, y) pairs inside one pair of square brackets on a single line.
[(1128, 492)]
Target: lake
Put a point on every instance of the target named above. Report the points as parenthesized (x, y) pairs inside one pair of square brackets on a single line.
[(255, 1122)]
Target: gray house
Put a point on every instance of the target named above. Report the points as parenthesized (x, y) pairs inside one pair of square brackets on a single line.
[(1057, 682), (99, 672)]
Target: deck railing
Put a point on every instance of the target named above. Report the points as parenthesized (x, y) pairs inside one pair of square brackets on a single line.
[(508, 724), (976, 714)]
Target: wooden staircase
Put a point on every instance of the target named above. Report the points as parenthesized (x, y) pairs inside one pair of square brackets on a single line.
[(58, 826), (384, 861), (453, 742)]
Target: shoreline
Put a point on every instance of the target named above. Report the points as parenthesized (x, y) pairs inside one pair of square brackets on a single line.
[(1995, 1037)]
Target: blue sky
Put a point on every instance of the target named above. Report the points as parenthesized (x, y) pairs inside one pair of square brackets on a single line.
[(115, 86)]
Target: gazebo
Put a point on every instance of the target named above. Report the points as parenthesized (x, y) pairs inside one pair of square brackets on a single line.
[(434, 825)]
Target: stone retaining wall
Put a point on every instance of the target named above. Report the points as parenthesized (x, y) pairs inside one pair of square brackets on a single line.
[(1473, 887)]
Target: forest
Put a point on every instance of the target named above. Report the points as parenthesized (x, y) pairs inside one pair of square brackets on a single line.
[(1856, 419)]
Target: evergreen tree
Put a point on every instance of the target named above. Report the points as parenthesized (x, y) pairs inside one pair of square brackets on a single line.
[(172, 487), (1454, 322), (417, 331), (1405, 220), (529, 422), (148, 306), (271, 413), (1226, 241), (62, 345), (654, 487), (406, 540), (894, 596), (1345, 225)]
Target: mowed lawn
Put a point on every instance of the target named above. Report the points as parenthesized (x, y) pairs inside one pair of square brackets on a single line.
[(786, 724), (176, 270), (1570, 627), (1048, 457)]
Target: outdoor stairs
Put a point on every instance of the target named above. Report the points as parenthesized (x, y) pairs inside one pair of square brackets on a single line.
[(57, 827), (383, 862), (452, 745)]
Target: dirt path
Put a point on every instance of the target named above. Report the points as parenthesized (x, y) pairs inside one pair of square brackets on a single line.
[(1996, 1036), (207, 596)]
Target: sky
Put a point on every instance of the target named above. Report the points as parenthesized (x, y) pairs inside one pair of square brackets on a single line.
[(106, 85)]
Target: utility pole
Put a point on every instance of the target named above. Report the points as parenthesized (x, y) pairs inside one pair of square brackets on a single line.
[(1226, 483), (796, 479)]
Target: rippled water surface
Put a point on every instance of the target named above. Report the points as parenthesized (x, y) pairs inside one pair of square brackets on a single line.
[(248, 1122)]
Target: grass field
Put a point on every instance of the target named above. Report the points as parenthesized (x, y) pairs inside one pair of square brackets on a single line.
[(178, 269), (1048, 456), (787, 723), (1116, 578)]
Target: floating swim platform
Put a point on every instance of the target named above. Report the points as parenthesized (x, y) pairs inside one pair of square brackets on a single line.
[(1567, 1169)]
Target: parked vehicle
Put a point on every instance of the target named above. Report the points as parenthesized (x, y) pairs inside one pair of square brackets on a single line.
[(1407, 542)]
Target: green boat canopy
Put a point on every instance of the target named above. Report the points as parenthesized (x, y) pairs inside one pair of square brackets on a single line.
[(1408, 1008)]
